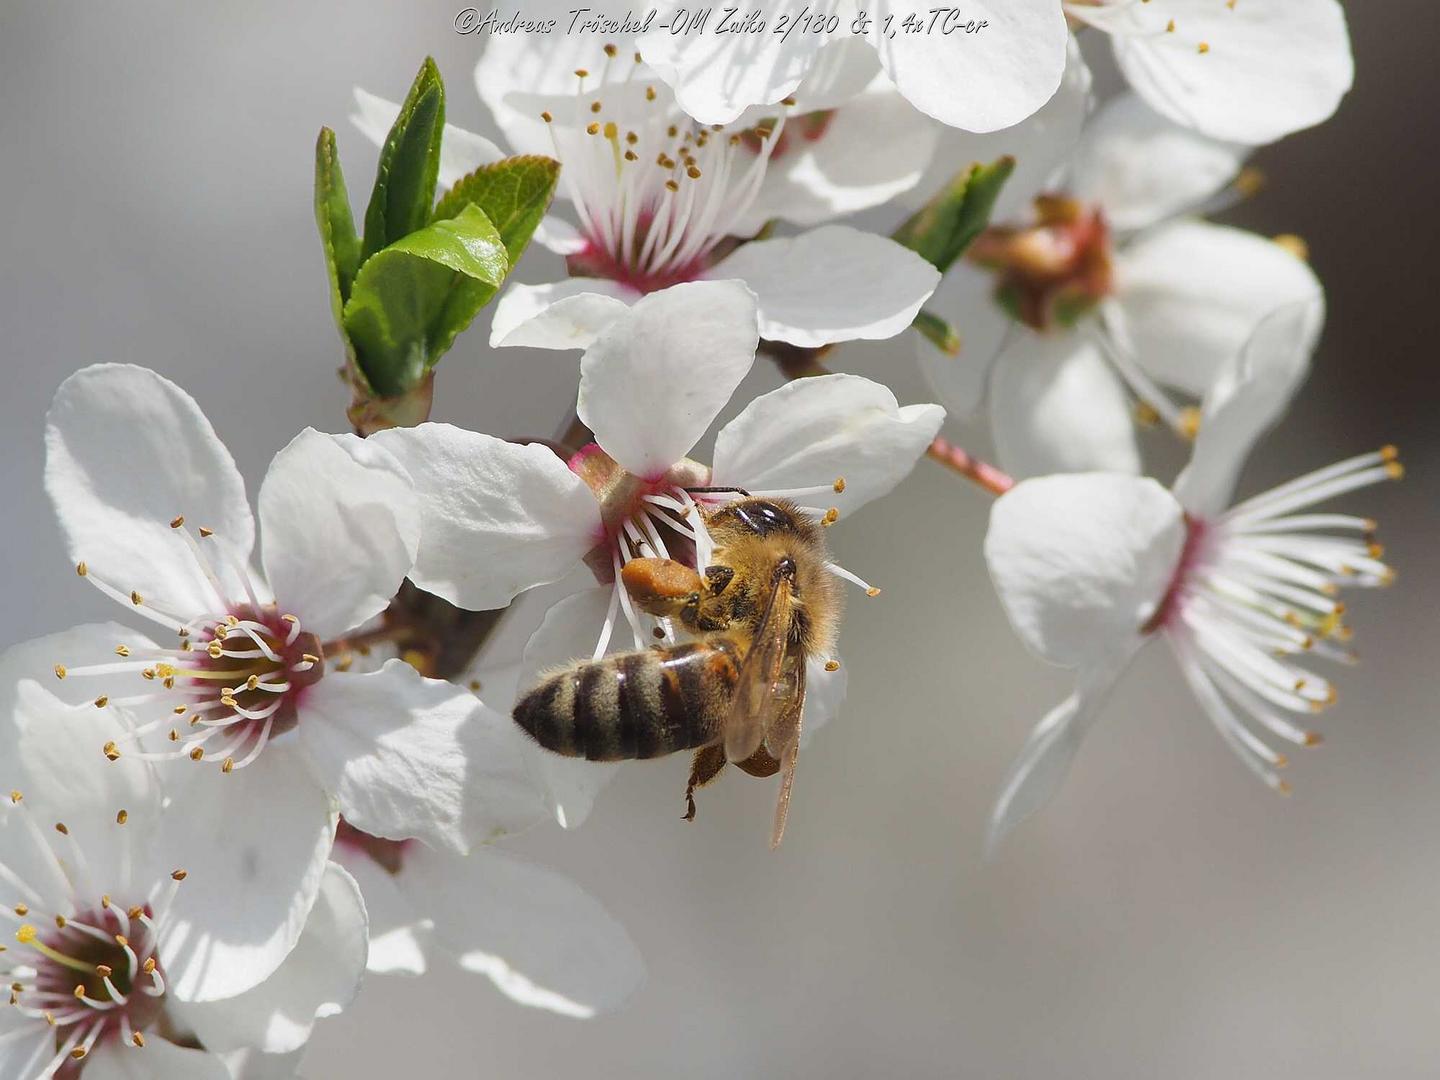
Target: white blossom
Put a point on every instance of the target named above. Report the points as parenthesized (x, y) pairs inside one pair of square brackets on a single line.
[(1089, 567)]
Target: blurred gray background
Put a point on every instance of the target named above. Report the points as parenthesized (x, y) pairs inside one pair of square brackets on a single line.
[(1168, 917)]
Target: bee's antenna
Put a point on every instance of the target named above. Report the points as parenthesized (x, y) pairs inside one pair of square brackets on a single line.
[(717, 491)]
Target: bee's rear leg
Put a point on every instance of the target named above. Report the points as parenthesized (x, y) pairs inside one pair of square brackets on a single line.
[(708, 762)]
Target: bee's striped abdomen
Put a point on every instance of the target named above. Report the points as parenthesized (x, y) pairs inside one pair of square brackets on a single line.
[(634, 705)]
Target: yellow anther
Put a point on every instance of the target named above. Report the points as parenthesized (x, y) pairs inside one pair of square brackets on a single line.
[(1250, 182), (547, 117), (252, 682), (137, 1039), (26, 934), (872, 591), (136, 598), (592, 129), (62, 828), (831, 516), (215, 649), (149, 965), (111, 751), (1313, 738), (693, 173), (832, 665), (177, 521), (205, 533), (174, 735), (60, 671), (103, 970), (610, 50), (228, 765), (22, 910), (581, 73), (611, 131), (15, 797), (197, 753), (474, 685), (1189, 422), (178, 875), (649, 93), (81, 569), (122, 940), (1295, 245), (122, 817), (1394, 470), (1283, 787), (179, 710), (1170, 27), (101, 701), (1203, 48), (839, 484), (595, 106), (122, 650)]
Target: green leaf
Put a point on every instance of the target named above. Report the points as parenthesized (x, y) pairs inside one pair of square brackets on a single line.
[(336, 224), (514, 193), (938, 332), (404, 191), (410, 300), (949, 223)]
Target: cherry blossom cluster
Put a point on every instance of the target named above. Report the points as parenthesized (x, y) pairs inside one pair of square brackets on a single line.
[(291, 758)]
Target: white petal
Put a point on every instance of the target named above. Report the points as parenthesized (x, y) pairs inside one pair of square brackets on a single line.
[(409, 757), (1039, 145), (977, 81), (1044, 762), (461, 151), (824, 694), (814, 431), (870, 150), (966, 299), (1057, 406), (92, 643), (654, 379), (567, 314), (126, 451), (399, 933), (1081, 562), (64, 775), (27, 1045), (318, 979), (341, 526), (842, 71), (541, 939), (1192, 293), (831, 284), (569, 631), (716, 76), (556, 234), (254, 844), (1267, 70), (496, 518), (515, 68), (159, 1060), (1142, 168), (1251, 393), (254, 1065)]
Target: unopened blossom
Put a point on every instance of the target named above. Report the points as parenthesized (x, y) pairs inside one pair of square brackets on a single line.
[(1090, 567), (109, 953), (241, 679), (1245, 72), (499, 518), (949, 66), (659, 200), (1112, 300)]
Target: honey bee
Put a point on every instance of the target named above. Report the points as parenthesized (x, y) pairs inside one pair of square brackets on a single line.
[(736, 691)]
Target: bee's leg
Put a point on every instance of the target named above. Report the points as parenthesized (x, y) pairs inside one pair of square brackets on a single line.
[(709, 760)]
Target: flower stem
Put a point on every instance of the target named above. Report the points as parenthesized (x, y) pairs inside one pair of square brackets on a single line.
[(978, 472)]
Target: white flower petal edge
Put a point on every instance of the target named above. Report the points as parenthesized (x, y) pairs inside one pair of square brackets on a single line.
[(541, 939), (126, 451), (160, 1060), (1144, 169), (690, 346), (319, 978), (1044, 761), (268, 829), (830, 426), (1057, 406), (865, 153), (962, 381), (400, 936), (1249, 396), (1192, 293), (567, 314), (341, 527), (1081, 561), (496, 518), (399, 752), (983, 81), (461, 151), (832, 284), (1249, 73)]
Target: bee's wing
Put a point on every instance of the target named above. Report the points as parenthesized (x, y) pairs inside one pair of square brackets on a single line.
[(756, 703), (784, 742)]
